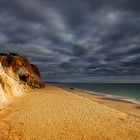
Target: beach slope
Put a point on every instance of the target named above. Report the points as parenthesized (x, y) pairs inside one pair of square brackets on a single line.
[(53, 113)]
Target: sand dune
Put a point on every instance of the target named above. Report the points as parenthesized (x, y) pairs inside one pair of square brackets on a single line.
[(56, 114)]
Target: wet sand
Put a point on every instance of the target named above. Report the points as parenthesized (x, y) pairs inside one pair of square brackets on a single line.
[(57, 114)]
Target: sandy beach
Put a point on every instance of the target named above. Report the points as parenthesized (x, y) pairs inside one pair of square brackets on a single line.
[(113, 102), (53, 113)]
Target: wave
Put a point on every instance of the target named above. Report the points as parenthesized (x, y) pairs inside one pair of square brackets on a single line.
[(119, 98)]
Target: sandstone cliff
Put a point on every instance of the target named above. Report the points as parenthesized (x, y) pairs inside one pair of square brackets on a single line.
[(17, 75)]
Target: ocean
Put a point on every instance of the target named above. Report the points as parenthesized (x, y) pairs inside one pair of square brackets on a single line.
[(124, 90)]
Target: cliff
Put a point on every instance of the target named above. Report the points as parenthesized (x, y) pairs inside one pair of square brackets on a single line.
[(17, 75)]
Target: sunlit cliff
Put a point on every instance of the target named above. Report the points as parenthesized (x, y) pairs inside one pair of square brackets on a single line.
[(17, 75)]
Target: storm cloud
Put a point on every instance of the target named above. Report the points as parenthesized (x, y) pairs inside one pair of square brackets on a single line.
[(82, 40)]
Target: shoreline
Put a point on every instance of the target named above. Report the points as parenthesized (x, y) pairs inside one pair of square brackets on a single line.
[(115, 97), (119, 103), (111, 96)]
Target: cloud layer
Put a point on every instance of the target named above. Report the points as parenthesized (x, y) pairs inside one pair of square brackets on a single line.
[(74, 40)]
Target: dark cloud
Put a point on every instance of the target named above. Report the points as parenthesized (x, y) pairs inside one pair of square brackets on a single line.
[(74, 40)]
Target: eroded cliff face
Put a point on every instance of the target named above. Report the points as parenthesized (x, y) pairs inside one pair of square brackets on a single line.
[(17, 75)]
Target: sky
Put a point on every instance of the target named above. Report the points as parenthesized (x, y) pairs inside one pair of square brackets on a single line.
[(75, 40)]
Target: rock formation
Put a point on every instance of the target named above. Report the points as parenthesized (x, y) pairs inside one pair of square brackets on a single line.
[(17, 75)]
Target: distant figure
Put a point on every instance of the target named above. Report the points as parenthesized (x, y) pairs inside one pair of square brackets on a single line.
[(71, 88)]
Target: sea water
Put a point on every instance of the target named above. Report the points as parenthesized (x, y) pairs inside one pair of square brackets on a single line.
[(124, 90)]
